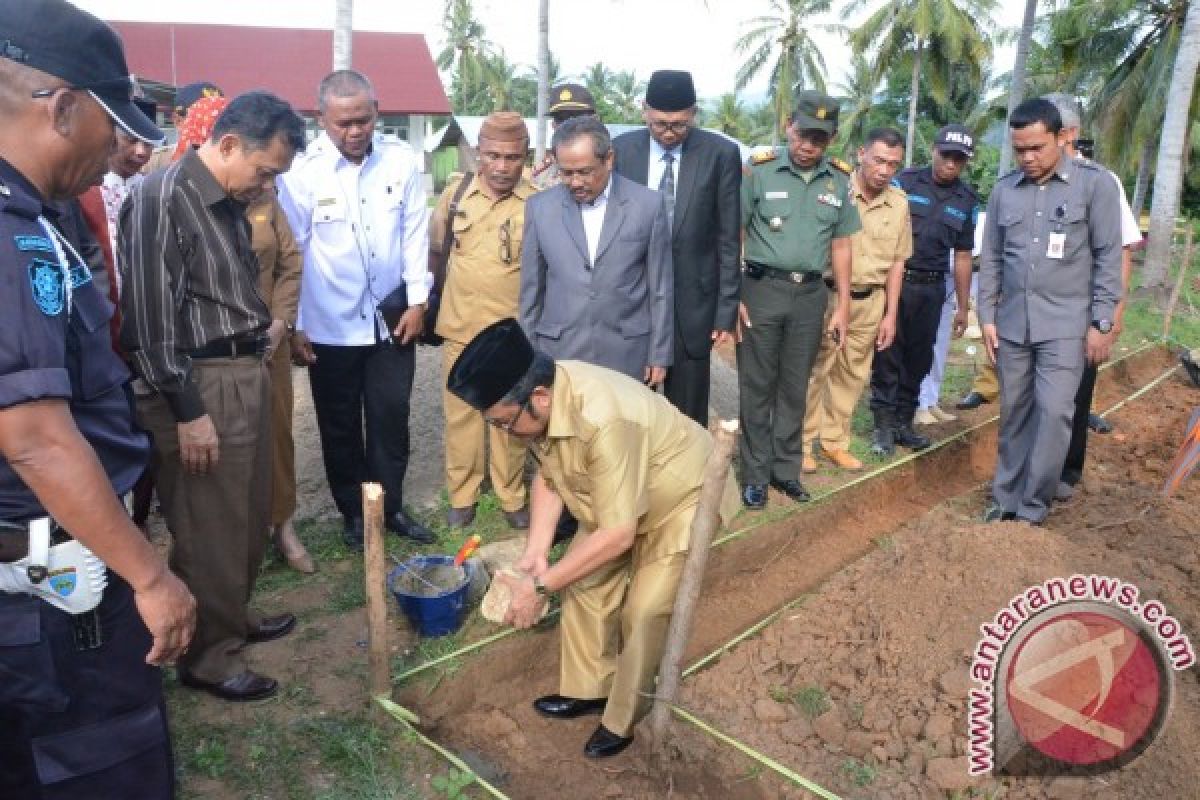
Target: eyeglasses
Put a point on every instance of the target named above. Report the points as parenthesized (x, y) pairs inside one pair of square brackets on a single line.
[(506, 254), (658, 126), (507, 427)]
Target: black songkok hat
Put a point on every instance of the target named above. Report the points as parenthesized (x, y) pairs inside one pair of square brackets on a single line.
[(670, 90), (491, 365)]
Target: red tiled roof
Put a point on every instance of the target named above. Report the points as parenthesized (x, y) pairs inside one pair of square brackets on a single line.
[(287, 61)]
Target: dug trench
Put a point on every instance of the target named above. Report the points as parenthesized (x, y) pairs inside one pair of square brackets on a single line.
[(482, 709)]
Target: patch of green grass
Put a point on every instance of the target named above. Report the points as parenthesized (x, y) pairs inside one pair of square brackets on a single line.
[(860, 773), (885, 542), (453, 784), (813, 701), (779, 694)]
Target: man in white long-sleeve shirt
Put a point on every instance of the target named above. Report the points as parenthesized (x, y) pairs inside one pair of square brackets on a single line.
[(357, 207)]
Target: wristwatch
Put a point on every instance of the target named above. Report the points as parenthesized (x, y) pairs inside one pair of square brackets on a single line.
[(1102, 325), (540, 587)]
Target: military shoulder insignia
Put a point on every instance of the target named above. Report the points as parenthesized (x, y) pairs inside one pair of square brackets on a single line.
[(33, 244), (764, 156), (46, 281), (839, 164)]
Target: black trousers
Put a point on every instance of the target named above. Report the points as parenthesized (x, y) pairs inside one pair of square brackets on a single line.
[(896, 373), (687, 382), (353, 384), (1072, 471), (78, 723)]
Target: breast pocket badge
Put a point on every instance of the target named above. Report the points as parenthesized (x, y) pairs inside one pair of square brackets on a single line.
[(775, 223), (46, 281), (1056, 245), (830, 199)]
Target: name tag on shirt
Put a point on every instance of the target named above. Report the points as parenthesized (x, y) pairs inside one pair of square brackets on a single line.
[(1056, 246), (829, 200), (777, 195)]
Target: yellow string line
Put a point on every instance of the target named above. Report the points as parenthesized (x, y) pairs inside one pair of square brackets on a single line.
[(766, 519)]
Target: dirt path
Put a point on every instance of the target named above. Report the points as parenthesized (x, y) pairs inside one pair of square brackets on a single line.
[(484, 709)]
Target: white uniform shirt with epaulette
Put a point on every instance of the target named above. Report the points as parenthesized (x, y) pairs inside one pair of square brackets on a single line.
[(363, 229)]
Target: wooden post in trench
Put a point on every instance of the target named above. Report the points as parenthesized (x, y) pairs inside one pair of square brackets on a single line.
[(704, 525), (1183, 271), (375, 575)]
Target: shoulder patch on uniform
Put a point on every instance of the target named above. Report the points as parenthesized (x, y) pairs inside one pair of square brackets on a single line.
[(920, 199), (763, 157), (839, 164), (46, 282), (79, 276), (33, 244)]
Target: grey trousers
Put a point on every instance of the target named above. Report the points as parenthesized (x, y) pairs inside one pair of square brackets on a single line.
[(1038, 382), (775, 359)]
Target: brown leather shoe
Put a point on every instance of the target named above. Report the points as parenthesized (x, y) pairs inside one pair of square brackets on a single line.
[(842, 459), (241, 688), (519, 519), (460, 517), (808, 465), (272, 628)]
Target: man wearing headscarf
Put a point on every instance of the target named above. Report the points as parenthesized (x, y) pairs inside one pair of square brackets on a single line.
[(477, 228)]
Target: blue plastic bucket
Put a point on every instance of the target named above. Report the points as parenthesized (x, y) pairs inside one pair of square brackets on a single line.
[(431, 614)]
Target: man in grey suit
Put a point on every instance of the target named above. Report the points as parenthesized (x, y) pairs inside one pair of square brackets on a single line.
[(1049, 284), (596, 281), (700, 176)]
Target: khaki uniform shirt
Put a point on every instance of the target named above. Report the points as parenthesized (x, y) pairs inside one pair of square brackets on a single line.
[(789, 221), (885, 238), (483, 276), (280, 262), (617, 453)]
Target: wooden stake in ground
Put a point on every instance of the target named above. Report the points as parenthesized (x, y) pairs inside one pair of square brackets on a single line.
[(375, 576), (704, 525), (1183, 271)]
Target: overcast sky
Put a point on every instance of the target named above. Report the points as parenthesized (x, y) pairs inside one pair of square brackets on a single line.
[(642, 35)]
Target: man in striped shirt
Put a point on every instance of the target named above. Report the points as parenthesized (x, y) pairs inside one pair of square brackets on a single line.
[(198, 331)]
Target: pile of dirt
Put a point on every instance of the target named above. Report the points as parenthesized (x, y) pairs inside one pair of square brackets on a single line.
[(864, 688)]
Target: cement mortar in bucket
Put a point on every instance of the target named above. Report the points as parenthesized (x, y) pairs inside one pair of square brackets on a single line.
[(432, 593)]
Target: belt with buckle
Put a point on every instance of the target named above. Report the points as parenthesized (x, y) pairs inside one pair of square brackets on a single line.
[(14, 540), (855, 294), (231, 348), (925, 276), (790, 276)]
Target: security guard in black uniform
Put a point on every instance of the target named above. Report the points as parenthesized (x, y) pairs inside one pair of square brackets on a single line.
[(81, 708), (943, 210)]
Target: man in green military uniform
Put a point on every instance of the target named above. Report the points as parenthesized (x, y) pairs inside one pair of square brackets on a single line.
[(797, 220)]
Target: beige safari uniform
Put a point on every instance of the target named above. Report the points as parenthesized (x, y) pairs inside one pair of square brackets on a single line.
[(839, 376), (618, 453), (483, 283)]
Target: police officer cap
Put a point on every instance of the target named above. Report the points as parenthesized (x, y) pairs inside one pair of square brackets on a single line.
[(491, 365), (955, 139), (186, 96), (571, 98), (55, 37), (815, 112), (670, 90)]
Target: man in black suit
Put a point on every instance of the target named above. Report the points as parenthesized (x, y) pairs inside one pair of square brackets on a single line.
[(700, 173)]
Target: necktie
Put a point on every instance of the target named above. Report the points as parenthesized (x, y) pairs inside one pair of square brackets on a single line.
[(667, 184)]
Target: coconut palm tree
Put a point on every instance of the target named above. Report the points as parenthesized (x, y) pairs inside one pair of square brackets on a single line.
[(465, 53), (626, 97), (729, 116), (1168, 175), (782, 40), (1016, 87), (857, 96), (543, 78), (343, 34), (931, 37)]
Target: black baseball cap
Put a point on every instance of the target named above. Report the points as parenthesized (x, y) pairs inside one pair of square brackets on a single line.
[(955, 139), (55, 37)]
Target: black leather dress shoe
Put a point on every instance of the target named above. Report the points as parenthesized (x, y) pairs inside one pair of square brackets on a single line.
[(793, 489), (241, 688), (269, 628), (604, 743), (460, 517), (401, 524), (754, 496), (560, 707), (906, 437), (883, 441), (971, 400), (995, 513), (1099, 424), (517, 520), (352, 533)]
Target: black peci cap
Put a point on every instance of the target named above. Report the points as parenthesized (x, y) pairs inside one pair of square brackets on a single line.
[(670, 90), (55, 37), (491, 365)]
